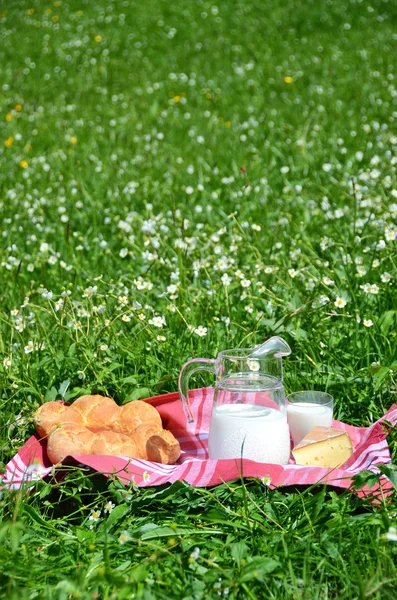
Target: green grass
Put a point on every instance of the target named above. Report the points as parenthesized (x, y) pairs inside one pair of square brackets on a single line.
[(140, 143)]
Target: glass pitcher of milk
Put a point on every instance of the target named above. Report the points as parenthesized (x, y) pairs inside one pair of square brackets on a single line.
[(249, 418)]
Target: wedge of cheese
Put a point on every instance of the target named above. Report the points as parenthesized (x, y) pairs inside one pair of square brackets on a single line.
[(323, 447)]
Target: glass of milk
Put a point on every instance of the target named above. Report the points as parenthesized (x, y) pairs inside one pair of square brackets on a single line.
[(249, 417), (306, 410)]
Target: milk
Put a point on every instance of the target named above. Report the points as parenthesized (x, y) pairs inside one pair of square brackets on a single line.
[(249, 431), (303, 416)]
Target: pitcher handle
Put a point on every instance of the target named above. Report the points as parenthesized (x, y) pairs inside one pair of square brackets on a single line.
[(196, 364)]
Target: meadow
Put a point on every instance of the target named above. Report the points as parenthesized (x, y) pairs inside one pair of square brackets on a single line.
[(177, 179)]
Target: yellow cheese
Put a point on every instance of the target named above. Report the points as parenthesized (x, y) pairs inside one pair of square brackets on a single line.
[(323, 447)]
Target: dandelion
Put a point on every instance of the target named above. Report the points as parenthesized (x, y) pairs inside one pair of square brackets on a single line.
[(98, 38), (95, 515), (266, 480), (23, 163), (288, 79), (29, 348), (7, 362), (367, 323), (201, 331), (9, 142), (123, 538), (109, 506), (73, 139), (146, 477), (340, 302)]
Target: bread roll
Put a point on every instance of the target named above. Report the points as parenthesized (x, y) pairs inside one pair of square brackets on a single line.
[(69, 439), (133, 414), (96, 425), (110, 443), (98, 411), (52, 414), (157, 444)]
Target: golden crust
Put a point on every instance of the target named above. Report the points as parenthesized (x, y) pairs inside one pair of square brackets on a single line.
[(68, 439), (135, 413), (157, 444), (111, 443), (52, 414), (99, 412)]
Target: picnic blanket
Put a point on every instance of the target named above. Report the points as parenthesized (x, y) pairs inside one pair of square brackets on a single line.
[(194, 466)]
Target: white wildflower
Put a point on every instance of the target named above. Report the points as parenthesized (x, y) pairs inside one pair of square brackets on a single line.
[(95, 515), (29, 348), (340, 302), (109, 506), (158, 321), (201, 331)]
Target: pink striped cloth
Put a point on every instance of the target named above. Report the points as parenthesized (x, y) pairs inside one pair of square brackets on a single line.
[(194, 466)]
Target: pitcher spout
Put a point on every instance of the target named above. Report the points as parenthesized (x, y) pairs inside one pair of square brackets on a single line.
[(275, 347)]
